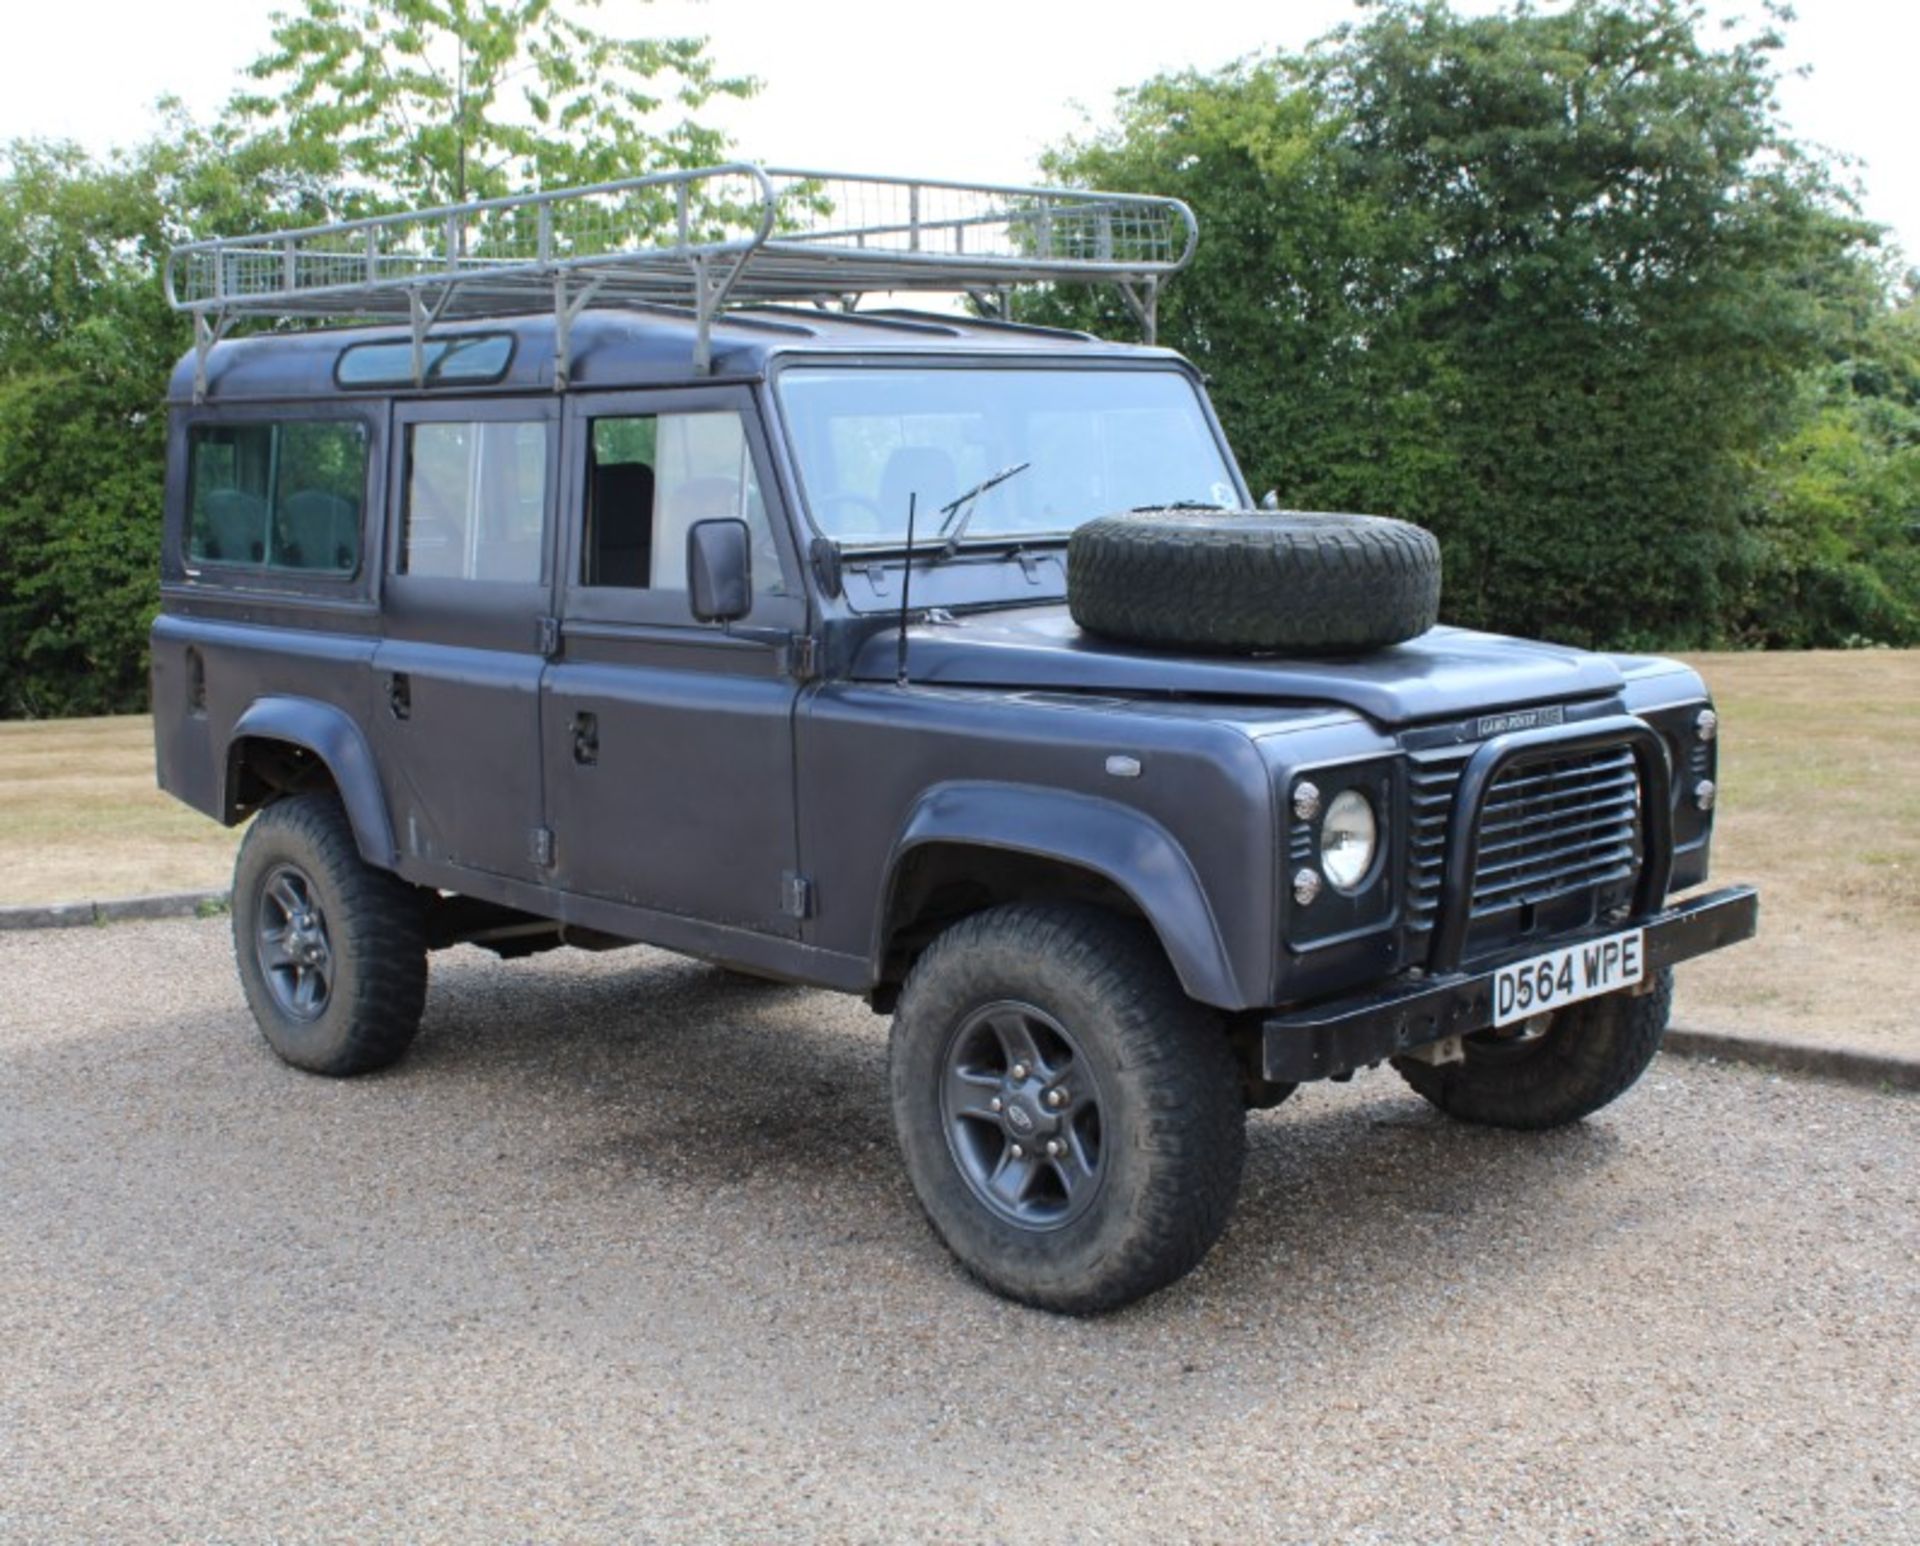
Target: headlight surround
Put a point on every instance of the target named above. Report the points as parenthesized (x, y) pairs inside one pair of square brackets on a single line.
[(1349, 840)]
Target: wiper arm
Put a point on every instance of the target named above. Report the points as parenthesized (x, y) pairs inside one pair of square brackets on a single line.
[(964, 506), (1179, 504)]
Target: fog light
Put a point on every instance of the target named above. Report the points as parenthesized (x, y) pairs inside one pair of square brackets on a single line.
[(1306, 800), (1707, 725), (1306, 885), (1703, 793)]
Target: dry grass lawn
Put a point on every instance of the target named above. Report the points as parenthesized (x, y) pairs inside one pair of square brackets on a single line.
[(1820, 782), (1820, 773), (81, 818)]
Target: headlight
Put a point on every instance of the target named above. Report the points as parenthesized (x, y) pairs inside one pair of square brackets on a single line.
[(1348, 838)]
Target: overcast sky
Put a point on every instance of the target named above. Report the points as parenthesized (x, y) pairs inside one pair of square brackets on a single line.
[(969, 91)]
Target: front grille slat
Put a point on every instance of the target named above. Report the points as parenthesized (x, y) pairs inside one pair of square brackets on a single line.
[(1550, 829), (1597, 817)]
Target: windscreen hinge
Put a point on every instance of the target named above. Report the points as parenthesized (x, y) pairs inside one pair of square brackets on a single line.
[(803, 657)]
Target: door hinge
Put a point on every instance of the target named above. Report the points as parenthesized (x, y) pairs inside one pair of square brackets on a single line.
[(803, 656), (796, 895), (549, 637), (542, 847)]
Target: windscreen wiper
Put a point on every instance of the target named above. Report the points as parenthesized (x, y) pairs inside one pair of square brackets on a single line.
[(963, 507)]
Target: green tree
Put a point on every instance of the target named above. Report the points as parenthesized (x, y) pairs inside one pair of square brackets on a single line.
[(1839, 507), (440, 101), (1547, 283)]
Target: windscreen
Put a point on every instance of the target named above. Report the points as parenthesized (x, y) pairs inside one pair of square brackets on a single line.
[(1094, 442)]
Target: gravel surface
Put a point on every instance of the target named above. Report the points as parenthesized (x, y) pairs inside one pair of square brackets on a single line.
[(623, 1250)]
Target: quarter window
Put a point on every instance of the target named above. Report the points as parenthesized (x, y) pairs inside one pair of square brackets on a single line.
[(280, 496), (476, 500)]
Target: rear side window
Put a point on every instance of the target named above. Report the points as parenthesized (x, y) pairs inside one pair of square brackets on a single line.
[(476, 500), (279, 496)]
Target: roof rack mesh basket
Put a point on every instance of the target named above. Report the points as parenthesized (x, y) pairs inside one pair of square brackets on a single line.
[(703, 240)]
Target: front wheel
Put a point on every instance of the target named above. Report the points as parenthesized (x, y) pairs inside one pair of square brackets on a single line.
[(1552, 1071), (1071, 1121)]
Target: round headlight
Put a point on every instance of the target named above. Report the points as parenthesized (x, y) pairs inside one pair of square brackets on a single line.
[(1348, 838)]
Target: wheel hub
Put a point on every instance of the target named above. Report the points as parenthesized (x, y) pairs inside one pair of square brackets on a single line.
[(1025, 1115), (296, 956)]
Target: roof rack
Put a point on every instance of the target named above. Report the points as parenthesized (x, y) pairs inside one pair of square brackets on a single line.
[(701, 239)]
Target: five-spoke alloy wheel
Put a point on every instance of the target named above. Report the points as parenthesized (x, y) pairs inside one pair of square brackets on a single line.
[(290, 933), (1071, 1120), (1021, 1106), (332, 951)]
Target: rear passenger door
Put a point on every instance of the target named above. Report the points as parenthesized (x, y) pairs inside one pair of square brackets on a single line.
[(469, 578), (670, 742)]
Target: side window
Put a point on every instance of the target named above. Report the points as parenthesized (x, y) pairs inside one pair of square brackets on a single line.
[(476, 500), (281, 496), (649, 479)]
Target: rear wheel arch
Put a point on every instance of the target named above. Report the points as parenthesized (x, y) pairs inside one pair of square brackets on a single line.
[(285, 746)]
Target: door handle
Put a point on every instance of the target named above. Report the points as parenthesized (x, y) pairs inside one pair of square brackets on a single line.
[(586, 739), (400, 695)]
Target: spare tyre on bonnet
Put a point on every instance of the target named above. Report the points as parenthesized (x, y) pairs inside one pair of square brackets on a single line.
[(1250, 580)]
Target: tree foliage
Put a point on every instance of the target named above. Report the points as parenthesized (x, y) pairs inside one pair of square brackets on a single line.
[(356, 106), (440, 101), (1550, 284)]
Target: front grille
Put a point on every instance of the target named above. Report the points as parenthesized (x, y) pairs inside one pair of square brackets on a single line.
[(1551, 829)]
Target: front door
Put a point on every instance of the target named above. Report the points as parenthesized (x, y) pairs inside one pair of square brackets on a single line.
[(669, 743), (469, 583)]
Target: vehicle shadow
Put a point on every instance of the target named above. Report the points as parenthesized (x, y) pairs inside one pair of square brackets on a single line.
[(685, 1076)]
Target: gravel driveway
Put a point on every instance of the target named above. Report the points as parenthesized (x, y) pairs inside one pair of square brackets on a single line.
[(623, 1250)]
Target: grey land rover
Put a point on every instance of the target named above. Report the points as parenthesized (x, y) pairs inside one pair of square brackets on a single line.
[(610, 574)]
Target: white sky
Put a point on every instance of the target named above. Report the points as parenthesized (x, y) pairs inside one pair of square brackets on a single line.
[(968, 91)]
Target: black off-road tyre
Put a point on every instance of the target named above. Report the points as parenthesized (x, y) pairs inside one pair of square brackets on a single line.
[(1142, 1068), (1254, 580), (1590, 1055), (361, 1011)]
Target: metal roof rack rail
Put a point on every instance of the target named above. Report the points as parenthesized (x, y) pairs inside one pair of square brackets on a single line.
[(703, 239)]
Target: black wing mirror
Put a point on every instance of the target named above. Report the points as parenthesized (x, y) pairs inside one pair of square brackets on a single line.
[(719, 570)]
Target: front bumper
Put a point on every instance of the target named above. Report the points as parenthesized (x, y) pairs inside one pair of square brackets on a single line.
[(1332, 1039)]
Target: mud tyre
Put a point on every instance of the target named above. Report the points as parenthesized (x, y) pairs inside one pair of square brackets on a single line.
[(1254, 581), (1587, 1057), (332, 952), (1072, 1123)]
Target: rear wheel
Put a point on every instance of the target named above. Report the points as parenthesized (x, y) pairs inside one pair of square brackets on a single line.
[(1538, 1075), (1071, 1121), (332, 952)]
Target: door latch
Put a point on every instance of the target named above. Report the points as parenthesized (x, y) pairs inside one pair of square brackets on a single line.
[(586, 739)]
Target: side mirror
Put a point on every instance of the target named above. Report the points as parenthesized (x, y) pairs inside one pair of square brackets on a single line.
[(719, 570), (1270, 500)]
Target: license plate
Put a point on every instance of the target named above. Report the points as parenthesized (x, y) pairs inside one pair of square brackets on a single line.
[(1562, 977)]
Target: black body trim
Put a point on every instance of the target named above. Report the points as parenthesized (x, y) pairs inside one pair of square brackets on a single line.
[(1334, 1039)]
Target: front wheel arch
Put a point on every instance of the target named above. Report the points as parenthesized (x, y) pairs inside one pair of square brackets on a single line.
[(1011, 843)]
